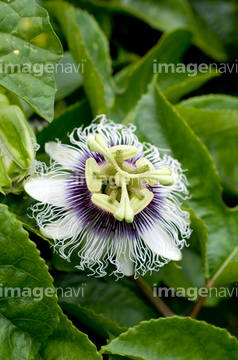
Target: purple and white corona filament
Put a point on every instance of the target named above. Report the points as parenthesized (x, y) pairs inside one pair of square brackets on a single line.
[(111, 199)]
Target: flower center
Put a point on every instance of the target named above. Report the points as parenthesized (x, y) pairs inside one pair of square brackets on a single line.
[(118, 186)]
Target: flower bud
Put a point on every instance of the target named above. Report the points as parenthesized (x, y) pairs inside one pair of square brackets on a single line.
[(16, 147)]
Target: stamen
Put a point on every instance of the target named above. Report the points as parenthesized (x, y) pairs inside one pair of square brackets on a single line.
[(114, 170), (101, 176), (138, 205), (142, 162), (108, 169), (102, 201), (128, 151), (124, 210), (119, 158), (136, 192), (165, 180), (141, 169), (165, 170), (113, 195)]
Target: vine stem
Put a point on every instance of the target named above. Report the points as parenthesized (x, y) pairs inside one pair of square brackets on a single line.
[(197, 307), (156, 301)]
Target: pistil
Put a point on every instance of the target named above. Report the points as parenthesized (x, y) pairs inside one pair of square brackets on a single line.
[(134, 195)]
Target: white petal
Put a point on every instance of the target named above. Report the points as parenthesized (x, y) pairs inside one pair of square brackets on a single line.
[(125, 264), (161, 243), (62, 154), (48, 189), (63, 228)]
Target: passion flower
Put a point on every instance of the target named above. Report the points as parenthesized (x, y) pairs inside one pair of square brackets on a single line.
[(111, 199)]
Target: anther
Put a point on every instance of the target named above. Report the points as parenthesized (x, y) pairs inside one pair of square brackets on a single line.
[(141, 169), (138, 205), (102, 201), (128, 151), (136, 192), (119, 158), (113, 195), (93, 183)]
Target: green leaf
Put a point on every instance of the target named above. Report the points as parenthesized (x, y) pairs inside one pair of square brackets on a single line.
[(116, 302), (28, 46), (187, 274), (90, 49), (134, 79), (176, 337), (228, 275), (145, 118), (68, 77), (117, 357), (215, 119), (176, 85), (224, 152), (98, 323), (198, 240), (211, 102), (67, 342), (211, 115), (163, 58), (216, 27), (28, 314), (204, 185), (159, 123), (16, 344), (214, 37), (164, 15)]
